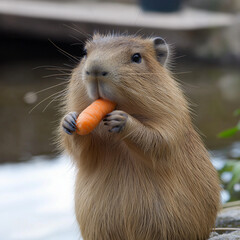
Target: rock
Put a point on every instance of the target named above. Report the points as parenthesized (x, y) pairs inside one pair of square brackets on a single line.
[(228, 236), (213, 234), (229, 217)]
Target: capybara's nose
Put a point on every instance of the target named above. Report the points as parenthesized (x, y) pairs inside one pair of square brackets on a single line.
[(96, 71)]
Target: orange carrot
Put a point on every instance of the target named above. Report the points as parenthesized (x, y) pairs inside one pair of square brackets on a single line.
[(92, 115)]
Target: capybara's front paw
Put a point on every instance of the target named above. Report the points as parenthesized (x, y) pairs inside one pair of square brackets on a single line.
[(69, 122), (116, 120)]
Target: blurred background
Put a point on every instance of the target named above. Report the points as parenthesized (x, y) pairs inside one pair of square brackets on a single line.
[(42, 41)]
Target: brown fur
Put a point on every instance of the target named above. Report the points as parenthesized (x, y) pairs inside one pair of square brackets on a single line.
[(154, 180)]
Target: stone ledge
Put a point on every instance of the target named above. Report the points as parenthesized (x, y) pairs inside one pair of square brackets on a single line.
[(116, 14)]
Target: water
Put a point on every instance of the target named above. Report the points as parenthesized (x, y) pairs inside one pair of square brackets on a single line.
[(37, 200)]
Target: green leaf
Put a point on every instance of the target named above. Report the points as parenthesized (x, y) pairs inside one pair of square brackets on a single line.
[(232, 166), (228, 167), (238, 126), (235, 178), (236, 112), (228, 133)]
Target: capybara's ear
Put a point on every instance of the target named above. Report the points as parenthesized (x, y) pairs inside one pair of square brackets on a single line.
[(161, 49)]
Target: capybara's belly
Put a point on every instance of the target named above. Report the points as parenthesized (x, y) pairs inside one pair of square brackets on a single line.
[(139, 208), (114, 213)]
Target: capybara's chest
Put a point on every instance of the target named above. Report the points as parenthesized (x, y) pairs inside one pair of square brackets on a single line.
[(120, 207)]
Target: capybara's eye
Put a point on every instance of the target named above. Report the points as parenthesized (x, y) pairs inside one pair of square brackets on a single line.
[(84, 54), (136, 57)]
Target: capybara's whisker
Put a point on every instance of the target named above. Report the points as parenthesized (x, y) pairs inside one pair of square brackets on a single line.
[(45, 89), (45, 100)]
